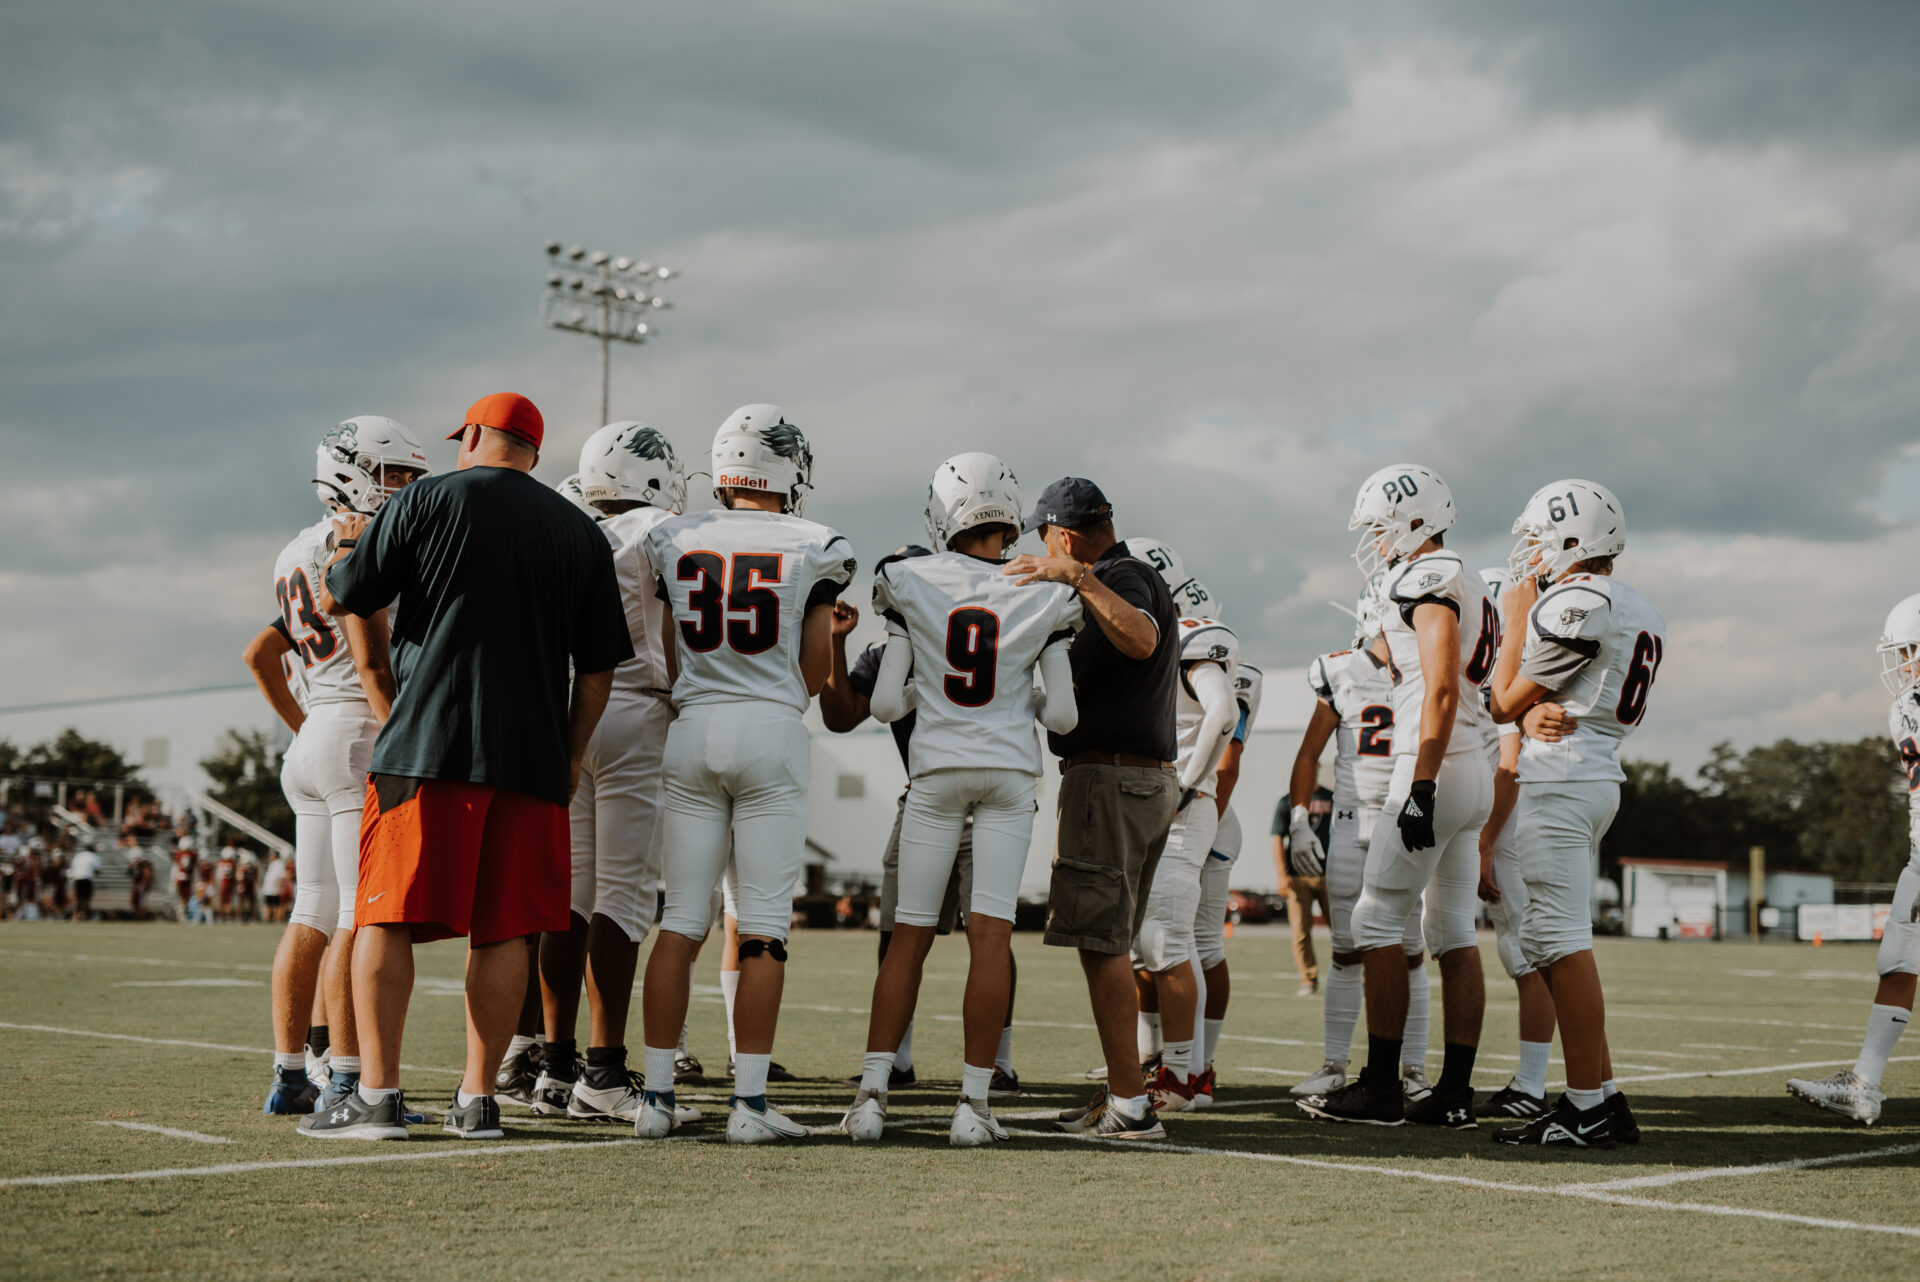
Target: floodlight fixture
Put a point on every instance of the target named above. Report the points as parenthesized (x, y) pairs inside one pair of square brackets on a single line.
[(616, 313)]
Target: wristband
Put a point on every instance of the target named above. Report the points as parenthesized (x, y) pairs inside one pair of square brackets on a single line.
[(346, 543)]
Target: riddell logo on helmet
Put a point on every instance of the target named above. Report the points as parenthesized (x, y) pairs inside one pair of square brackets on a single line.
[(741, 482)]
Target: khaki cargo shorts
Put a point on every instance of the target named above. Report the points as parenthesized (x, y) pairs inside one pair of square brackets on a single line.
[(1113, 827)]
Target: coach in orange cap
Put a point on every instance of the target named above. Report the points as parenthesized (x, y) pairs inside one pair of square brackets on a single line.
[(500, 584)]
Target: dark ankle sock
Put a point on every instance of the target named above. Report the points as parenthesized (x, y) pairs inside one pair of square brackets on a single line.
[(606, 1067), (1456, 1071), (1383, 1058), (558, 1060), (317, 1040), (292, 1076)]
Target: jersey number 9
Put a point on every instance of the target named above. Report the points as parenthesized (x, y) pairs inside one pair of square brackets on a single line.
[(973, 651)]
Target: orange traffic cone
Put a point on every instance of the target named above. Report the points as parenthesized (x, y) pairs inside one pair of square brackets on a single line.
[(1816, 939)]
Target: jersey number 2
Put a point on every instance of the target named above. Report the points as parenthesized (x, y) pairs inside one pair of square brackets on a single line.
[(973, 652), (1376, 731), (734, 603), (1641, 670)]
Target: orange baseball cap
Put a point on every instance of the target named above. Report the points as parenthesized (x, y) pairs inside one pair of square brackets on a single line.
[(509, 412)]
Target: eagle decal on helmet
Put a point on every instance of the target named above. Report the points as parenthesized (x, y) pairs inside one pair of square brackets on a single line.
[(786, 440), (647, 443)]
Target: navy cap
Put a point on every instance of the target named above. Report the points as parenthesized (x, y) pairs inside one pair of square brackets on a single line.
[(1073, 502)]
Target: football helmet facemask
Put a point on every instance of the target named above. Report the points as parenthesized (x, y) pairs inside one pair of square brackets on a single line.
[(1899, 647), (1397, 509), (364, 461), (1564, 524)]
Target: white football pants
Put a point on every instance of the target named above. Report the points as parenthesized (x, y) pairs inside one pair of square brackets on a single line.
[(616, 814), (324, 777), (1347, 842), (1447, 872), (1558, 827), (1166, 933), (931, 824), (1210, 919)]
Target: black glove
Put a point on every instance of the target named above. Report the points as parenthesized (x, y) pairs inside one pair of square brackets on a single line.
[(1416, 817), (1186, 799)]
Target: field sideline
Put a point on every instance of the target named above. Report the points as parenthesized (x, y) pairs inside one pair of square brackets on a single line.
[(131, 1141)]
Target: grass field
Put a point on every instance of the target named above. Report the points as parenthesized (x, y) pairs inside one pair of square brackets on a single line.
[(166, 1026)]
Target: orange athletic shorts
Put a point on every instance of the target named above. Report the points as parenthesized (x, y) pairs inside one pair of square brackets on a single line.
[(452, 859)]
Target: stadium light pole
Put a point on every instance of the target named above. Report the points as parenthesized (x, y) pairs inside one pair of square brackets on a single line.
[(603, 296)]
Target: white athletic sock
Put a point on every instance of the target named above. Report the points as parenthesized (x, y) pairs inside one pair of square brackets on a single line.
[(1608, 1089), (1584, 1100), (1884, 1026), (729, 990), (750, 1074), (903, 1058), (1210, 1029), (377, 1095), (1344, 989), (974, 1082), (1178, 1057), (1199, 1051), (1413, 1043), (518, 1044), (345, 1063), (1531, 1076), (1134, 1106), (1003, 1058), (875, 1066), (659, 1068), (290, 1059), (1147, 1035)]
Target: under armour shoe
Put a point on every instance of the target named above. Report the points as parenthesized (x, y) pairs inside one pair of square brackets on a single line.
[(687, 1072), (779, 1073), (477, 1119), (1846, 1093), (1114, 1124), (1005, 1084), (1168, 1093), (1413, 1081), (656, 1116), (291, 1094), (619, 1103), (974, 1125), (1202, 1090), (517, 1077), (553, 1089), (1625, 1129), (339, 1086), (1363, 1100), (1082, 1121), (866, 1118), (1564, 1127), (1452, 1109), (1331, 1077), (1510, 1103), (355, 1119), (749, 1125)]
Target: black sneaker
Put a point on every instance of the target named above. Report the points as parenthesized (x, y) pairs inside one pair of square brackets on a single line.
[(355, 1119), (478, 1120), (1362, 1100), (1564, 1127), (896, 1077), (1511, 1104), (1004, 1085), (1625, 1129), (1114, 1124), (553, 1089), (1452, 1109), (518, 1073), (687, 1072), (777, 1072)]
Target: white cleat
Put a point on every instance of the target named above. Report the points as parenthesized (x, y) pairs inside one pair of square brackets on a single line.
[(1331, 1077), (1413, 1080), (974, 1125), (866, 1117), (762, 1126), (616, 1104), (319, 1071), (1845, 1093), (654, 1120)]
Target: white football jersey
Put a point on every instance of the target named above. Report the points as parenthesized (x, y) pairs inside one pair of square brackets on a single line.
[(627, 532), (977, 636), (1201, 640), (1903, 723), (1358, 688), (1247, 682), (1596, 644), (321, 662), (1442, 578), (739, 584)]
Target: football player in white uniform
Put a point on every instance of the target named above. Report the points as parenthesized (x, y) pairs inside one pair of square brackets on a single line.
[(346, 682), (975, 638), (750, 590), (1441, 636), (1855, 1093), (631, 477), (1593, 644), (1353, 706), (1166, 962)]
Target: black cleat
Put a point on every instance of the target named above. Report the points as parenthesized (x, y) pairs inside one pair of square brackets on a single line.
[(1564, 1127), (1005, 1085), (687, 1072), (1625, 1129), (518, 1073), (777, 1072), (1362, 1100), (1452, 1109), (553, 1089), (1508, 1104)]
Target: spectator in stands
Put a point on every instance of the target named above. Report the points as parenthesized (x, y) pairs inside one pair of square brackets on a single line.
[(272, 883), (26, 882), (1303, 894), (84, 868), (139, 875)]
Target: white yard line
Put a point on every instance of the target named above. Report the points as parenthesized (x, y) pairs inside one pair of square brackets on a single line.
[(465, 1149), (1753, 1072), (176, 1041), (169, 1132), (1764, 1168), (132, 961)]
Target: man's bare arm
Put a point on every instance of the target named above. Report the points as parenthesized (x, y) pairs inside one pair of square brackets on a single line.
[(262, 657), (368, 640), (1438, 630), (1132, 631), (841, 706), (1306, 762)]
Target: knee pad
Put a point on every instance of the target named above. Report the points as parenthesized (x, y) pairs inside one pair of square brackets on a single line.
[(771, 947)]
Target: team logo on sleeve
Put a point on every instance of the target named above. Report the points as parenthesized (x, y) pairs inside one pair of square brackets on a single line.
[(1432, 579), (1572, 617), (1217, 652)]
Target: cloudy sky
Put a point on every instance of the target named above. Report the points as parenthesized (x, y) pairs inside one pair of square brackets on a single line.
[(1225, 258)]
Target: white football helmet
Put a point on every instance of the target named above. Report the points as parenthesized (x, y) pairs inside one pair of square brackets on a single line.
[(1563, 524), (1162, 558), (971, 490), (364, 461), (634, 462), (1369, 615), (1397, 509), (576, 496), (757, 449), (1899, 647), (1498, 579), (1195, 600)]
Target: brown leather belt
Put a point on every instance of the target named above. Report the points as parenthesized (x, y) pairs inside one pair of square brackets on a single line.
[(1112, 759)]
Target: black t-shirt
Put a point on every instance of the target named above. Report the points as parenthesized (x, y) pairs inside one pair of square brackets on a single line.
[(863, 674), (1126, 705), (501, 582)]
